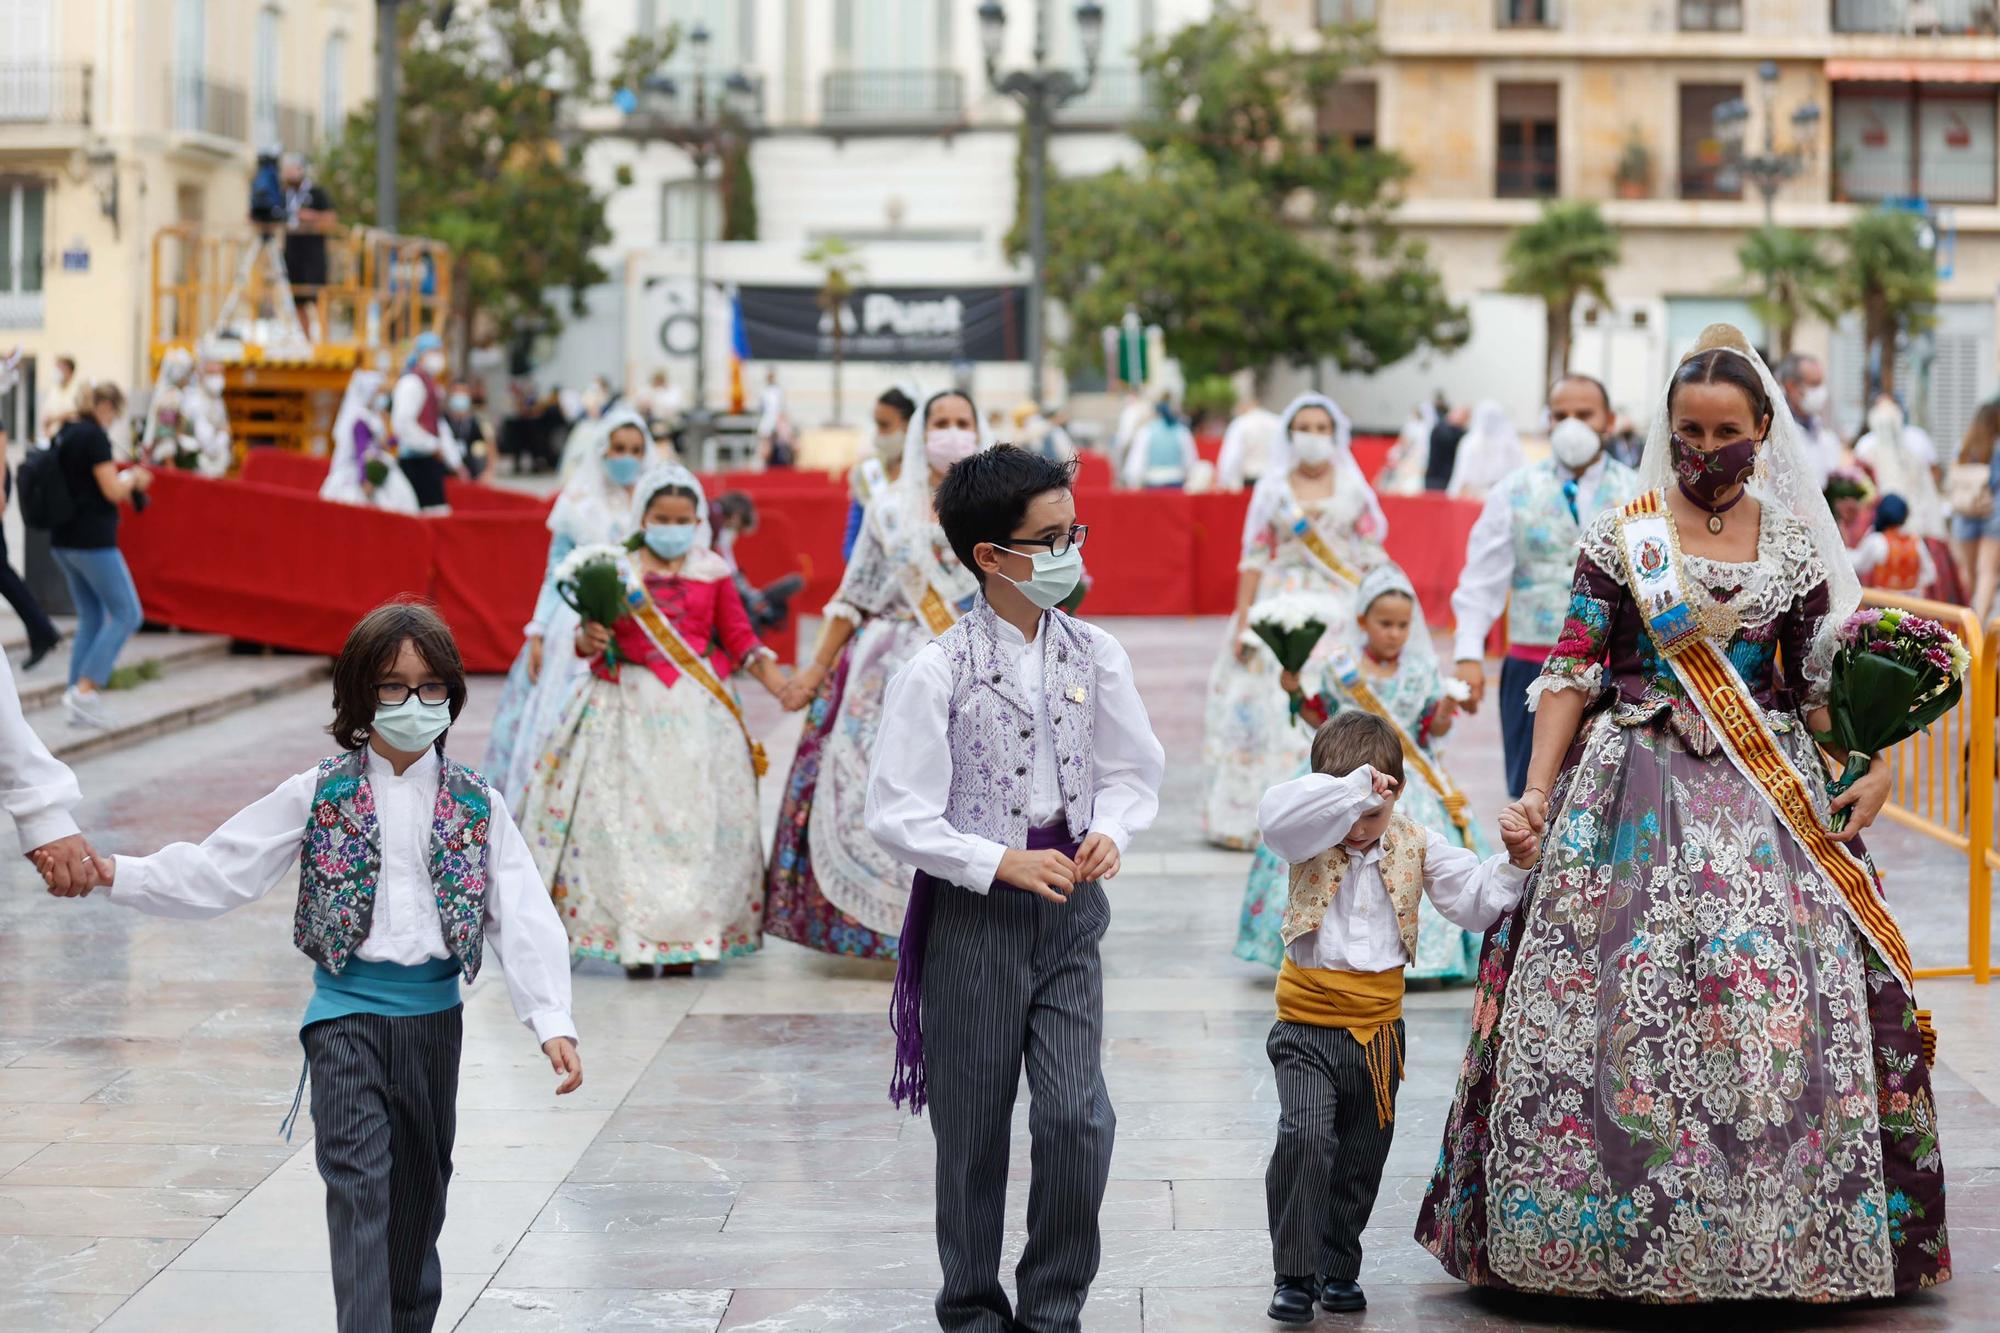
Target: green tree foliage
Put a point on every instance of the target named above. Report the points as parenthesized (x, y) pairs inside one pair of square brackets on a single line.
[(739, 191), (1561, 256), (1246, 235), (1788, 277), (840, 269), (483, 161), (1890, 276)]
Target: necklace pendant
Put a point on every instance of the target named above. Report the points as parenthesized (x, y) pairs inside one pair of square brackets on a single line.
[(1715, 523)]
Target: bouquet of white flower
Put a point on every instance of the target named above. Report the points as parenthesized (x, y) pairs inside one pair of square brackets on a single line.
[(1291, 627), (595, 582)]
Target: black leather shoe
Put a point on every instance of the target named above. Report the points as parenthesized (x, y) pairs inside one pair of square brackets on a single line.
[(1341, 1297), (1293, 1301), (37, 653)]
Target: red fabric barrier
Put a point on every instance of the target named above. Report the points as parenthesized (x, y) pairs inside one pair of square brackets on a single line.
[(283, 468), (486, 570)]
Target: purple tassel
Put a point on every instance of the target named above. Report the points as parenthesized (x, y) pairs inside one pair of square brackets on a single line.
[(906, 1003)]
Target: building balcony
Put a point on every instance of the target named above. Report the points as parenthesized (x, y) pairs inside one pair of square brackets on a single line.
[(1932, 181), (1917, 18), (295, 127), (198, 105), (45, 95), (892, 100), (21, 310), (1117, 97), (671, 101)]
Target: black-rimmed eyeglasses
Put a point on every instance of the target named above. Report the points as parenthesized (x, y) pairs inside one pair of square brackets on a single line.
[(390, 694), (1057, 545)]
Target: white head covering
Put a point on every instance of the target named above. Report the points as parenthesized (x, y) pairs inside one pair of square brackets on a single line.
[(592, 507), (355, 405), (656, 479), (1785, 478), (1348, 471), (1490, 450), (913, 483), (1386, 578)]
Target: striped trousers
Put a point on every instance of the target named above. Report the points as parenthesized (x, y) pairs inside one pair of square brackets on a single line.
[(384, 1109), (1320, 1186), (1012, 981)]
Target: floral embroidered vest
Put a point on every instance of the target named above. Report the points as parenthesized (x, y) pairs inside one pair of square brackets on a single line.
[(342, 859), (1315, 882), (992, 735), (1546, 540)]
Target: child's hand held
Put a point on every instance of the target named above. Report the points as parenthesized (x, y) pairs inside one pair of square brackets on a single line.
[(1046, 874)]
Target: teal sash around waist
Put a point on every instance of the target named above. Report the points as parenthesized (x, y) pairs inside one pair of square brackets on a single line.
[(390, 989)]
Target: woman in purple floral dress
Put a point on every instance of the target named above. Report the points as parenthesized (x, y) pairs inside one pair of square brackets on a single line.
[(1694, 1075)]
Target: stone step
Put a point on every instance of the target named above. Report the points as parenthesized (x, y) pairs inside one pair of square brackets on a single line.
[(168, 649), (183, 698)]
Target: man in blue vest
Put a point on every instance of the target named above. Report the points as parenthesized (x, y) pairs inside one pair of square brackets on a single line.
[(1521, 557)]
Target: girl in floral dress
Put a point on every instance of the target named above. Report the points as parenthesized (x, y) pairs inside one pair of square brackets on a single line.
[(1697, 1071), (1399, 665), (830, 886), (1313, 496), (643, 814)]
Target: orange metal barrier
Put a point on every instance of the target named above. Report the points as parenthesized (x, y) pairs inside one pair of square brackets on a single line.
[(1943, 781)]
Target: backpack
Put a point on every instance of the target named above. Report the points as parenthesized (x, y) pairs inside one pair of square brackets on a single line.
[(267, 192), (46, 501)]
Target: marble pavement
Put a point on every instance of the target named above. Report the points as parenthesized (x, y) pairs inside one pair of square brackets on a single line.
[(732, 1162)]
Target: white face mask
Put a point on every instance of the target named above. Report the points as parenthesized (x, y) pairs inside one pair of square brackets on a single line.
[(212, 383), (1814, 400), (1574, 444), (434, 363), (944, 445), (1311, 449)]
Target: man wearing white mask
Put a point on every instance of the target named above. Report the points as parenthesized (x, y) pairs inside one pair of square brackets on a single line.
[(425, 447), (1521, 557), (1804, 381)]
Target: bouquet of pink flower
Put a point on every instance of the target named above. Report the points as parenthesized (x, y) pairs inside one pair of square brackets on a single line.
[(1893, 675)]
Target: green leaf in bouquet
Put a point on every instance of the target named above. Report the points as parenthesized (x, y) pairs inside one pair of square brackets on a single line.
[(1936, 707), (596, 592), (1272, 637), (1878, 694)]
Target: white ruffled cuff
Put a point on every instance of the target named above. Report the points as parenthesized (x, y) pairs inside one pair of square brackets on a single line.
[(843, 611), (1589, 684)]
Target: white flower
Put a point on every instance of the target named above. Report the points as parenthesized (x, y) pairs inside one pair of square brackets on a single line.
[(1457, 690), (598, 553), (1288, 612)]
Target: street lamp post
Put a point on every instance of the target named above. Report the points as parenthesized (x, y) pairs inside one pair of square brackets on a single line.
[(385, 114), (1769, 168), (701, 136), (1041, 91)]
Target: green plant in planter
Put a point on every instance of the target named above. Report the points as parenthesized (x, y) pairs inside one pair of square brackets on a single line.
[(1634, 176)]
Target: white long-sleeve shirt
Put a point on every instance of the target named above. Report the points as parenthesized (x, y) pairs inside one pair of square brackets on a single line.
[(910, 778), (406, 422), (1488, 575), (1359, 933), (245, 859), (1246, 448), (36, 788)]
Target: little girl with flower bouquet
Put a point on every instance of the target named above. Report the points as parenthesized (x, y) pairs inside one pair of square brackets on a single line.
[(1389, 668)]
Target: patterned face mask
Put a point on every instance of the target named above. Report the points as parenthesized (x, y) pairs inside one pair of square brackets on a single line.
[(1706, 478)]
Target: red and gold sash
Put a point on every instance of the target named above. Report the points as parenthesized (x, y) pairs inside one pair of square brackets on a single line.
[(1293, 516), (664, 635), (1356, 686), (1719, 692)]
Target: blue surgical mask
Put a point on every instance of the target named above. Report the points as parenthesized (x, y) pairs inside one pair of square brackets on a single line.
[(1055, 576), (458, 404), (412, 725), (669, 541), (624, 469)]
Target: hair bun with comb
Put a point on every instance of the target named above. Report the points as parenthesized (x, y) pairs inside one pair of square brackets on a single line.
[(1719, 336)]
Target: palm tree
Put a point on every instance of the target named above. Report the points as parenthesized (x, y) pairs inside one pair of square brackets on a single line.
[(1890, 275), (1789, 277), (1559, 257), (840, 268)]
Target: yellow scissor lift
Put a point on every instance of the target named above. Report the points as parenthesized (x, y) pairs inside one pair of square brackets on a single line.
[(221, 294)]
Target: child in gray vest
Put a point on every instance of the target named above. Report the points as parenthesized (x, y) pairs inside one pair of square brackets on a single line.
[(1358, 873), (409, 866), (1014, 762)]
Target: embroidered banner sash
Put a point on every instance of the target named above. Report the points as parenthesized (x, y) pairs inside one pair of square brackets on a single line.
[(918, 576), (1455, 803), (1724, 700), (665, 636), (1290, 515)]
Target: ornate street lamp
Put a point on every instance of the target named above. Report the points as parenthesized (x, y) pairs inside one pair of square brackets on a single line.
[(1771, 167)]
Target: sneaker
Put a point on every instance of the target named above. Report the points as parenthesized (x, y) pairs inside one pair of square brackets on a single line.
[(85, 710), (1338, 1297), (1292, 1303)]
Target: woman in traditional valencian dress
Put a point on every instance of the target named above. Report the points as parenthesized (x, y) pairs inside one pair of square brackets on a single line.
[(643, 814), (361, 437), (1388, 667), (594, 508), (831, 886), (1697, 1071), (1314, 528)]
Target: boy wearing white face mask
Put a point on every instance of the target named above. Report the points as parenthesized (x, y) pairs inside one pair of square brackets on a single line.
[(410, 867), (1014, 763), (1521, 556)]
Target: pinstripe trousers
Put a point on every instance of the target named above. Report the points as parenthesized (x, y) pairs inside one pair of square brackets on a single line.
[(1012, 980), (1321, 1184), (384, 1109)]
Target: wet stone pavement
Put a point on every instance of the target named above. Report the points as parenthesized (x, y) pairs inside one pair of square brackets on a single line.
[(732, 1162)]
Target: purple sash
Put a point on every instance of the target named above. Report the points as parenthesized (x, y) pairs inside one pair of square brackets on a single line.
[(908, 1086)]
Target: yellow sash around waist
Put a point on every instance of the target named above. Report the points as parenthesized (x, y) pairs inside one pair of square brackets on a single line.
[(1365, 1005)]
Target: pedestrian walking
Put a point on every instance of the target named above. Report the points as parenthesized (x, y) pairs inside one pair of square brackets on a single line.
[(1014, 764), (85, 548), (643, 811), (410, 867)]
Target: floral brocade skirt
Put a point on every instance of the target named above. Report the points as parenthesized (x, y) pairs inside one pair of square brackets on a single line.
[(642, 818), (794, 907), (1690, 1077)]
